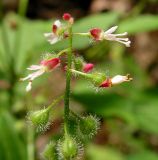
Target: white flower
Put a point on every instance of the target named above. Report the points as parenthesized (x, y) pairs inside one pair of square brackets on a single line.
[(109, 82), (45, 66), (31, 77), (53, 37), (120, 79), (108, 35)]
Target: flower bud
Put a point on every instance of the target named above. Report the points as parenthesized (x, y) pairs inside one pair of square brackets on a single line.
[(54, 28), (68, 17), (95, 33), (88, 126), (69, 148), (50, 151), (50, 64), (118, 79), (40, 119), (88, 67)]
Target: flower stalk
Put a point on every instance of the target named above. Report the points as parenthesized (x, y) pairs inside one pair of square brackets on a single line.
[(68, 83)]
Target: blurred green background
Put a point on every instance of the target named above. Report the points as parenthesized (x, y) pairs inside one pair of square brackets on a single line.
[(129, 112)]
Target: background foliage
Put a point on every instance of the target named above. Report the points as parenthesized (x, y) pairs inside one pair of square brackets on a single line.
[(129, 128)]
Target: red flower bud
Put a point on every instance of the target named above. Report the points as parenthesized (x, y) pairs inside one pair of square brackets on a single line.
[(95, 33), (51, 63), (106, 83), (88, 67), (67, 16), (54, 28)]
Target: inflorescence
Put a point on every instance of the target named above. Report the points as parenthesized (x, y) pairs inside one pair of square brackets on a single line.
[(70, 145)]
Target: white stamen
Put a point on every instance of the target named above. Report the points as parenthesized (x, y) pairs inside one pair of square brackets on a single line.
[(123, 39), (108, 35), (121, 34), (111, 30), (29, 86)]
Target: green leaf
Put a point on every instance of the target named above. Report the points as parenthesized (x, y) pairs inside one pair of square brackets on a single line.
[(105, 103), (95, 152), (139, 24), (144, 155), (12, 147), (139, 111), (146, 115)]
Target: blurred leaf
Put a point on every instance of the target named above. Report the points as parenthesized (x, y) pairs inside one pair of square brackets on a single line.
[(11, 146), (139, 111), (146, 115), (139, 24), (105, 103), (145, 155), (95, 152)]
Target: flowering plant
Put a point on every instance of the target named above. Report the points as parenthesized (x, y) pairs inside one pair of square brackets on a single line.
[(70, 146)]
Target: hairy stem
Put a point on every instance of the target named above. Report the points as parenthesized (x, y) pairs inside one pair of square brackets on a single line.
[(68, 81), (55, 102)]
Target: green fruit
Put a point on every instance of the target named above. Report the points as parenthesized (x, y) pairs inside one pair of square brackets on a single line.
[(69, 147)]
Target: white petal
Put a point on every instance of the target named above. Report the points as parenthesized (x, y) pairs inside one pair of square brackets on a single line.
[(54, 40), (51, 37), (127, 44), (110, 37), (121, 34), (57, 23), (29, 86), (118, 79), (111, 30), (123, 39), (36, 74), (26, 78), (33, 75), (34, 67)]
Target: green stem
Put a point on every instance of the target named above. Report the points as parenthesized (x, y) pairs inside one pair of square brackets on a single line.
[(75, 115), (82, 74), (63, 51), (30, 133), (68, 81), (30, 141), (55, 102), (82, 34), (22, 7)]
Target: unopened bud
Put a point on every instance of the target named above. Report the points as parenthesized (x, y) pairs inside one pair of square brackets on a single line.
[(69, 148), (88, 126), (40, 119), (68, 17), (118, 79), (95, 33), (50, 64), (50, 151), (88, 67)]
